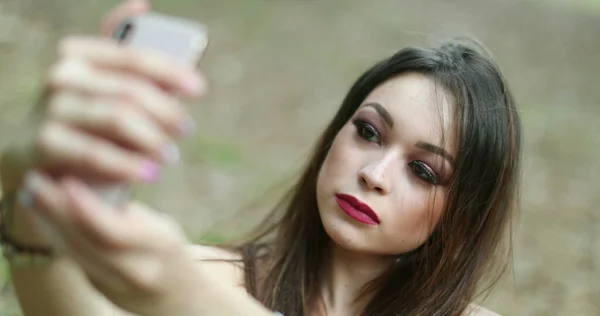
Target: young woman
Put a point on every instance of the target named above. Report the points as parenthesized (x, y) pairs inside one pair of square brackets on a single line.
[(401, 210)]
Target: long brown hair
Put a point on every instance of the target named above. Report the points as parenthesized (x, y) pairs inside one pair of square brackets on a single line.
[(287, 258)]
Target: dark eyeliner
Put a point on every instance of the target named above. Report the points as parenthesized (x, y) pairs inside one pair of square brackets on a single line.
[(424, 172), (367, 131)]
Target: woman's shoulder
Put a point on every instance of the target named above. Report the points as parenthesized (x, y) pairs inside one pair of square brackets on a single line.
[(476, 310), (222, 263)]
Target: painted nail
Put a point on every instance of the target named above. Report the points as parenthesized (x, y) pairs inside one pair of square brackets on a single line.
[(193, 85), (34, 181), (25, 198), (187, 126), (170, 154), (149, 171), (31, 184)]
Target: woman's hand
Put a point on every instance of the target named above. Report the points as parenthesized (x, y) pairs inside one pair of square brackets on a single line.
[(108, 111), (134, 256), (112, 112)]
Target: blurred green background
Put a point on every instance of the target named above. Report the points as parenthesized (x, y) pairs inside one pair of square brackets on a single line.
[(279, 69)]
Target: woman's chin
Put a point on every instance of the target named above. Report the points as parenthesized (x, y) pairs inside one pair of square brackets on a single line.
[(344, 233), (351, 236)]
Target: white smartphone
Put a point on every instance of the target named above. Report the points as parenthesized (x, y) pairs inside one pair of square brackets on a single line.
[(180, 39)]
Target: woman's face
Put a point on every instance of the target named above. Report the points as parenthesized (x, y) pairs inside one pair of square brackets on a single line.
[(394, 157)]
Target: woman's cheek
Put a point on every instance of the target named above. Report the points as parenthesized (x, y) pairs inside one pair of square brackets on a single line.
[(414, 220), (342, 154)]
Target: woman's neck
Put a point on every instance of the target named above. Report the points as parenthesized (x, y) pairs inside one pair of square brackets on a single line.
[(347, 274)]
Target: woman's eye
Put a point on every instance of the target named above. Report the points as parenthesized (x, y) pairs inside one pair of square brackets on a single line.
[(367, 131), (424, 172)]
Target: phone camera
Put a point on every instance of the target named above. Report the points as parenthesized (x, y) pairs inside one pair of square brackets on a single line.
[(125, 31)]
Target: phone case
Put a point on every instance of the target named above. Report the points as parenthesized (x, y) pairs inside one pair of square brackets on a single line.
[(181, 39)]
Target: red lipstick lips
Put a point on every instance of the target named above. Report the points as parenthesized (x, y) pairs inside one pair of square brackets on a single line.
[(356, 209)]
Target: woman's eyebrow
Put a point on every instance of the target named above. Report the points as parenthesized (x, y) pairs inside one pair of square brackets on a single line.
[(436, 150), (382, 112), (422, 145)]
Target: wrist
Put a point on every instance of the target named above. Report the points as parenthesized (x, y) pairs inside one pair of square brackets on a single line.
[(20, 246), (19, 224), (183, 290)]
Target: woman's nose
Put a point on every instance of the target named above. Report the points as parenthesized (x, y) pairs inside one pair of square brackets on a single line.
[(376, 175)]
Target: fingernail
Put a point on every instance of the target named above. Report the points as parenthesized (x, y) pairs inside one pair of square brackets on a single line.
[(34, 181), (193, 85), (187, 126), (31, 184), (25, 198), (149, 171), (170, 154)]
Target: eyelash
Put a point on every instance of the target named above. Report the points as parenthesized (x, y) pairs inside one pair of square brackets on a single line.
[(424, 172), (421, 169), (362, 126)]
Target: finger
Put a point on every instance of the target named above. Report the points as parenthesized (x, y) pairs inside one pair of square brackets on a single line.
[(61, 146), (124, 10), (79, 76), (41, 195), (98, 222), (58, 215), (133, 227), (115, 120), (49, 205), (40, 191), (162, 231), (129, 252), (166, 72), (53, 216), (104, 277)]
